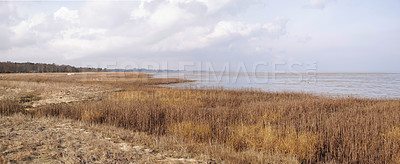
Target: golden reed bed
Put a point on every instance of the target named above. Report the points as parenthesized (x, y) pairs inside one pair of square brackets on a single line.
[(244, 126)]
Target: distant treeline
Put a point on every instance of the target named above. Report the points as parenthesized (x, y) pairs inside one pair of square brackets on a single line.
[(11, 67)]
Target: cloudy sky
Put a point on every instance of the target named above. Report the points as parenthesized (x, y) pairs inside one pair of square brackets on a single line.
[(335, 35)]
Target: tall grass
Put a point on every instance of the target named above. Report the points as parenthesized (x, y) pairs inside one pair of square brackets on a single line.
[(9, 107), (311, 128)]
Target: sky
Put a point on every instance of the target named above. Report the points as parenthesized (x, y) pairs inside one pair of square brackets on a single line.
[(254, 35)]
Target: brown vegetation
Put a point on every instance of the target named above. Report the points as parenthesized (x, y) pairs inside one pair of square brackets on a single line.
[(233, 126), (55, 140)]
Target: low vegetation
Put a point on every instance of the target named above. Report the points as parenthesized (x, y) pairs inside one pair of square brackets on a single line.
[(242, 126)]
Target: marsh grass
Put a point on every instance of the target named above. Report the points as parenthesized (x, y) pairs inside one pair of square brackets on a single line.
[(269, 125), (9, 107)]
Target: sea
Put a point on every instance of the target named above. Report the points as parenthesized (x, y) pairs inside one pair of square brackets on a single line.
[(362, 85)]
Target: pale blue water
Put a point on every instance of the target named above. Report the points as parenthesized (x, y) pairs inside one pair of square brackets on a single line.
[(371, 85)]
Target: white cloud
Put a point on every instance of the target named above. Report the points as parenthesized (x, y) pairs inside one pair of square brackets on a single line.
[(68, 15), (25, 26), (188, 39), (214, 6), (83, 33), (277, 27), (139, 13), (105, 14), (136, 29), (167, 15), (227, 28), (223, 33), (28, 32)]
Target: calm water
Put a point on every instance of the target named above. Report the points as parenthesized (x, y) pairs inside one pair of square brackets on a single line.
[(372, 85)]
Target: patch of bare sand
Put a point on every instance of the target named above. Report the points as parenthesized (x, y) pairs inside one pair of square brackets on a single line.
[(71, 94), (34, 94), (48, 140)]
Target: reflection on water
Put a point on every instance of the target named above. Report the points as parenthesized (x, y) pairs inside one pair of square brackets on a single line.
[(373, 85)]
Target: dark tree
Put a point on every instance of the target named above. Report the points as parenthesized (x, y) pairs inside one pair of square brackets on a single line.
[(12, 67)]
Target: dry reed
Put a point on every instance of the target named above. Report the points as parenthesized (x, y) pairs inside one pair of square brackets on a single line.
[(310, 128)]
